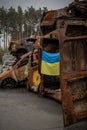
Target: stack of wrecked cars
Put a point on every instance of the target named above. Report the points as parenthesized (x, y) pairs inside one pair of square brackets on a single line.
[(62, 62), (22, 51), (57, 64)]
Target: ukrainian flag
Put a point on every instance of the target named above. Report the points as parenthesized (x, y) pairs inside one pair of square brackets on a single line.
[(50, 64)]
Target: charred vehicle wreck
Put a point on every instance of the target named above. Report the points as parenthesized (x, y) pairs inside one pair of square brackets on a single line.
[(70, 41), (21, 46), (16, 74)]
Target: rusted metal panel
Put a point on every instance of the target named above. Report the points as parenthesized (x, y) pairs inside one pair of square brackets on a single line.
[(33, 75), (48, 22), (48, 18), (73, 52)]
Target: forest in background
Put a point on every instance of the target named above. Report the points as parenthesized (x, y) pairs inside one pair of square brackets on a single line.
[(19, 23)]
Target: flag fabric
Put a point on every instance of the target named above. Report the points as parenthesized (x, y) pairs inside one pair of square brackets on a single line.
[(50, 64)]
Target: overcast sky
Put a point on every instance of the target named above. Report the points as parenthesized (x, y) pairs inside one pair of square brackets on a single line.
[(50, 4)]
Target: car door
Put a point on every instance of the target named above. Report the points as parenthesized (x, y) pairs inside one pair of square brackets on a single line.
[(21, 69), (73, 74)]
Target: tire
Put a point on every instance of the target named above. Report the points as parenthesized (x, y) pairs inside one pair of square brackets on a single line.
[(8, 83)]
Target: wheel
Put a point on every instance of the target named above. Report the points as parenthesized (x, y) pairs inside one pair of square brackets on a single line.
[(8, 83)]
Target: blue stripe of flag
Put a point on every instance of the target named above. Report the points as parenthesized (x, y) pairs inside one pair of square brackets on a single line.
[(50, 57)]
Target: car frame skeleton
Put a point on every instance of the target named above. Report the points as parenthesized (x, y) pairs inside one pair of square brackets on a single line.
[(73, 73), (70, 24)]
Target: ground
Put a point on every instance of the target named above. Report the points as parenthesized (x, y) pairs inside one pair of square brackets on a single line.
[(23, 110)]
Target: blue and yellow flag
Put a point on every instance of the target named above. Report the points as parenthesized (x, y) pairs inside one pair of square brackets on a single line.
[(50, 64)]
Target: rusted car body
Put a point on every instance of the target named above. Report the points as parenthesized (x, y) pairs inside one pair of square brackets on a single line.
[(22, 46), (70, 40), (17, 74)]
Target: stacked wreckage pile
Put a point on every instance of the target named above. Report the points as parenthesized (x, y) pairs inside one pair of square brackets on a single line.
[(57, 64), (64, 31)]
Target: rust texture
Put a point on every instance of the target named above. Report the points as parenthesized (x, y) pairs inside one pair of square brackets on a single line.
[(16, 74), (21, 46), (73, 44), (69, 27), (33, 76)]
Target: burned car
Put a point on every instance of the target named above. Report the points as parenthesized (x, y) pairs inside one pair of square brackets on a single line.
[(16, 74), (20, 47)]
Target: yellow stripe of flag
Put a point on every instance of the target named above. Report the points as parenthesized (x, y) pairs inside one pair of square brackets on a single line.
[(52, 69)]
